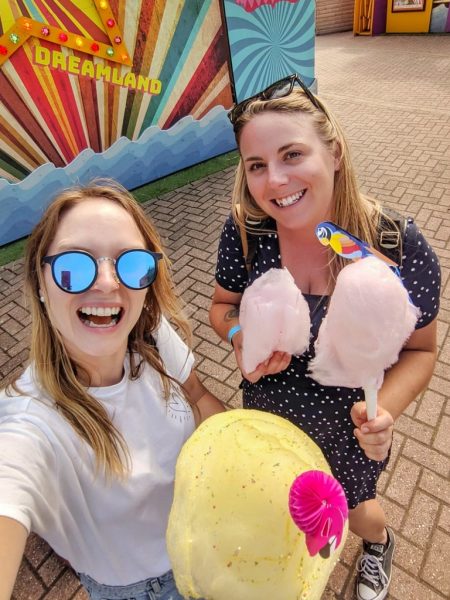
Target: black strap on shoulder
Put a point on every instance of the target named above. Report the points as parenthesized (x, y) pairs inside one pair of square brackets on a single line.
[(391, 229), (249, 240), (252, 244)]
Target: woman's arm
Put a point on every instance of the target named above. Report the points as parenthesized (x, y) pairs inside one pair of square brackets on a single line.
[(223, 315), (224, 312), (206, 403), (403, 382), (13, 537)]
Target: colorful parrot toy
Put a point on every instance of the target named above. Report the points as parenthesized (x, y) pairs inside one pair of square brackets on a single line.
[(347, 245)]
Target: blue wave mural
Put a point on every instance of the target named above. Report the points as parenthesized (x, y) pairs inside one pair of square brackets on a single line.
[(156, 153)]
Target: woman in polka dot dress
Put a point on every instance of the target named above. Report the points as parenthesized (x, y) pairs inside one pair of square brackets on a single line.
[(294, 172)]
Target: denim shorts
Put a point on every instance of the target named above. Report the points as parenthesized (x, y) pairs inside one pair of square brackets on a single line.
[(154, 588)]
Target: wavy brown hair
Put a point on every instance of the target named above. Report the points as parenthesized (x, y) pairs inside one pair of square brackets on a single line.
[(352, 210), (57, 375)]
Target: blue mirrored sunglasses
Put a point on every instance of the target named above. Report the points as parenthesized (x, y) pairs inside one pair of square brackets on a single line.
[(75, 271)]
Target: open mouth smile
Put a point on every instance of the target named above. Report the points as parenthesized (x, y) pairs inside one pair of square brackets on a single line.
[(289, 200), (100, 316)]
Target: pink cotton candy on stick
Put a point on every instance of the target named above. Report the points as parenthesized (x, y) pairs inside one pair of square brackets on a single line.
[(369, 319), (274, 316), (318, 507)]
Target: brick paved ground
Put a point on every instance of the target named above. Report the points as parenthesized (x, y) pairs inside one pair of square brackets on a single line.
[(392, 94)]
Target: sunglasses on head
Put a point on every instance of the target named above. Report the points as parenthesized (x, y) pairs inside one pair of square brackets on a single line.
[(279, 89), (75, 271)]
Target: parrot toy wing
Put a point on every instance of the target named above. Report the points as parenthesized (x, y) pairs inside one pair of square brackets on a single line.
[(347, 245)]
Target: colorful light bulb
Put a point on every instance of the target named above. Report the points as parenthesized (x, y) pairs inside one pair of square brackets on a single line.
[(79, 42), (14, 38), (117, 39), (63, 37), (103, 5), (110, 52), (3, 50), (110, 22), (95, 47), (45, 31)]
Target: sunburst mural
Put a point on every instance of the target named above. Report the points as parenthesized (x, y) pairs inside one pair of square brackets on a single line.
[(50, 111)]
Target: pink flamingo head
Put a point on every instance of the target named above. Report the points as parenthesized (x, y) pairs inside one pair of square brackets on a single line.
[(318, 506)]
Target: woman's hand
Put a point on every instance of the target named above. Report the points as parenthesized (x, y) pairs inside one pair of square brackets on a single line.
[(277, 361), (374, 436)]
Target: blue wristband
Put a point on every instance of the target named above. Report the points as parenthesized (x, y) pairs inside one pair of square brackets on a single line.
[(232, 331)]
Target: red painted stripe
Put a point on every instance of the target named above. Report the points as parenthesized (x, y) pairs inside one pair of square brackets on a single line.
[(224, 98), (17, 107), (110, 91), (214, 58), (70, 106), (22, 149), (28, 77), (90, 105), (23, 9), (145, 46)]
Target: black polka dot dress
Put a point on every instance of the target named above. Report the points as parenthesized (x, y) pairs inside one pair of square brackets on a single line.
[(323, 412)]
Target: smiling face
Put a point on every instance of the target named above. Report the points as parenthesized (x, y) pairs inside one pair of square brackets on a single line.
[(289, 170), (95, 324)]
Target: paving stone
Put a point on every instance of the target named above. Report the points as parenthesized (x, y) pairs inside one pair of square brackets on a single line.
[(28, 584), (411, 427), (421, 519), (430, 407), (435, 485), (213, 369), (408, 556), (405, 586), (51, 569), (64, 587), (436, 571), (444, 519), (442, 439), (401, 487), (427, 457)]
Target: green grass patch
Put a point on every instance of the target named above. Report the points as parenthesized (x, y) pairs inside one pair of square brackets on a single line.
[(177, 180), (12, 251), (15, 250)]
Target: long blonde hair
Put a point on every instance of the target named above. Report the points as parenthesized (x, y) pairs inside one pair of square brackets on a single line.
[(56, 372), (352, 211)]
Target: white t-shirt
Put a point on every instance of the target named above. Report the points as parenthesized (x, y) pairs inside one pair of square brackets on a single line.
[(113, 532)]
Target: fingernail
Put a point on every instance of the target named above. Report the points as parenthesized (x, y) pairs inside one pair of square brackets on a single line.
[(365, 429)]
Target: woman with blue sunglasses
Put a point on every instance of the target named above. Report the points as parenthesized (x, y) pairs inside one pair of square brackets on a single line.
[(295, 172), (91, 431)]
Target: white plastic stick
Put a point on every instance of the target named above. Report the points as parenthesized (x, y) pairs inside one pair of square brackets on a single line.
[(370, 393)]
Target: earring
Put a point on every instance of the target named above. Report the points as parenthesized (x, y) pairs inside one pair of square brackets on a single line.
[(42, 299)]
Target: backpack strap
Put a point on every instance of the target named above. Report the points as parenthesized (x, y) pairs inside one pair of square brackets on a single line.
[(249, 242), (391, 230)]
